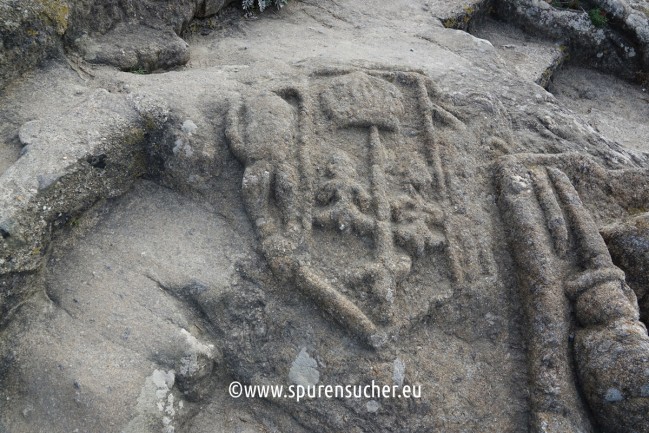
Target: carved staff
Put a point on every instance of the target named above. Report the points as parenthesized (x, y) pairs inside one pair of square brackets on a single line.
[(552, 234), (357, 100)]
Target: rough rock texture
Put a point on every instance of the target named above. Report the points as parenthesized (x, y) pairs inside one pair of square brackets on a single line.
[(29, 32), (619, 45), (375, 198), (561, 254), (610, 105), (32, 31), (135, 48), (533, 59), (65, 168), (135, 35), (629, 249)]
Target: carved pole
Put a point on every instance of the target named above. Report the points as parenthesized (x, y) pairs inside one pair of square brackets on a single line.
[(555, 403), (553, 236), (611, 345)]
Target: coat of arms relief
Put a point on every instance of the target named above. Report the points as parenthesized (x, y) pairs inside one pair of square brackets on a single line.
[(348, 157), (356, 155)]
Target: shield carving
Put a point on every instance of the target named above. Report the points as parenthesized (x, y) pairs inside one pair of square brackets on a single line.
[(345, 185)]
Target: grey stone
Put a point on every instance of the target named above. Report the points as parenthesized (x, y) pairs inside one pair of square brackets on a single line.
[(189, 127), (399, 372), (29, 32), (135, 48), (613, 395), (304, 370), (336, 193), (373, 406), (116, 33), (534, 60), (611, 48)]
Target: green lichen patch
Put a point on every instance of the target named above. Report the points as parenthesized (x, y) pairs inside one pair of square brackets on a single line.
[(598, 17), (58, 12)]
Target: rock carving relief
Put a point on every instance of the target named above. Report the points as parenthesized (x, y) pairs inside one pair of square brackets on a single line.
[(349, 161), (584, 329), (347, 182)]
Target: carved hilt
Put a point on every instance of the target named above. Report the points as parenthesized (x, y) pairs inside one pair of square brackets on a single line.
[(269, 137), (552, 231), (611, 346)]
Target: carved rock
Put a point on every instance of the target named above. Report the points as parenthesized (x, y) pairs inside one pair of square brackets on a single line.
[(402, 210)]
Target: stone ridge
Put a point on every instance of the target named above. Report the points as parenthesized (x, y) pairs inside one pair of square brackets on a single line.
[(32, 31), (342, 192)]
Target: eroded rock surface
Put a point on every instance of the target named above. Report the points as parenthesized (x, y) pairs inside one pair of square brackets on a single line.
[(32, 31), (616, 108), (608, 34), (377, 198)]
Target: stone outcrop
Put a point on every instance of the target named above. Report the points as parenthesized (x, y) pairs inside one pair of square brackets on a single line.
[(341, 193), (131, 35), (608, 34)]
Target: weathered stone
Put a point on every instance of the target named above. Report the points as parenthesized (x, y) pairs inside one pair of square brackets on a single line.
[(135, 48), (629, 247), (133, 35), (30, 31), (534, 60), (613, 47), (68, 166), (374, 200), (606, 309)]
